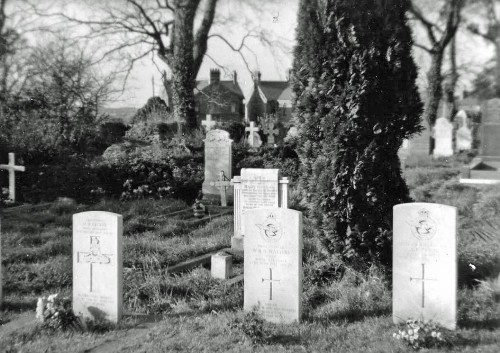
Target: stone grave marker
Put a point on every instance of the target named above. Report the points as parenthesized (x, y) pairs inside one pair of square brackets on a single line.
[(273, 263), (270, 130), (463, 135), (485, 168), (443, 131), (253, 136), (97, 265), (12, 168), (222, 183), (221, 265), (218, 158), (256, 188), (208, 123), (424, 263)]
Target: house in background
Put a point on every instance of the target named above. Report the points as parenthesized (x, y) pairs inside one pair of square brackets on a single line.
[(224, 100), (270, 97)]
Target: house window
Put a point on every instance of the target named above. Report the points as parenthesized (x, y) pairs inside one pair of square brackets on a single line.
[(233, 107)]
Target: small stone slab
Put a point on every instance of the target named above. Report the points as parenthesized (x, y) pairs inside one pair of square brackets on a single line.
[(194, 262), (273, 263), (98, 265), (425, 263), (221, 265)]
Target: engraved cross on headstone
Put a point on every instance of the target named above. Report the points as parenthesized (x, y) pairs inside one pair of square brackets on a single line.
[(270, 280), (12, 168), (270, 131), (94, 256), (252, 128), (423, 279), (222, 183), (208, 123)]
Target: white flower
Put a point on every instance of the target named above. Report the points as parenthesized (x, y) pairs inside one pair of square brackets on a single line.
[(433, 334)]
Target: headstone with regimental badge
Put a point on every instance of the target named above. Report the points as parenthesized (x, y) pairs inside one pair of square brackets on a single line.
[(97, 265), (425, 263), (273, 263)]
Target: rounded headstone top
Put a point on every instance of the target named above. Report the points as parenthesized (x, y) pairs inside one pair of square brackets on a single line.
[(217, 136)]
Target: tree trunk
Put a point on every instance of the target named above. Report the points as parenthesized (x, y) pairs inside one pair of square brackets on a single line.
[(434, 92), (497, 67), (183, 77), (452, 82)]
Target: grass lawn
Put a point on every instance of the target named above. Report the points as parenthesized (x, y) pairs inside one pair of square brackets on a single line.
[(344, 310)]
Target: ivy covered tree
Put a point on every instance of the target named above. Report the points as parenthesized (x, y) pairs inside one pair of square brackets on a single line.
[(355, 101)]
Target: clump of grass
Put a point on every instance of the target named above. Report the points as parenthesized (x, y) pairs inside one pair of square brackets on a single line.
[(480, 307), (252, 326)]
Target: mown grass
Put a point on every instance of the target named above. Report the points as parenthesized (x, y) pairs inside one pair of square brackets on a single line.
[(344, 310)]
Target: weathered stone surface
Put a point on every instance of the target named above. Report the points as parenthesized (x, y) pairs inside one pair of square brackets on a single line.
[(424, 263), (443, 135), (97, 265), (218, 158), (273, 263), (221, 266)]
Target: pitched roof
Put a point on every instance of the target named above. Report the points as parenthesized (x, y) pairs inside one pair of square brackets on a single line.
[(229, 85), (276, 90)]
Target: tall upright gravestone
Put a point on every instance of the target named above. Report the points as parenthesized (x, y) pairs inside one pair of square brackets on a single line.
[(486, 167), (256, 188), (218, 158), (425, 263), (98, 265), (443, 136), (273, 263)]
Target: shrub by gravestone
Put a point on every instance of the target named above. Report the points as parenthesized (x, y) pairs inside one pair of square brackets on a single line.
[(356, 101)]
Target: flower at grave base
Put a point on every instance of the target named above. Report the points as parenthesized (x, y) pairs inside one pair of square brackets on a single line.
[(433, 334)]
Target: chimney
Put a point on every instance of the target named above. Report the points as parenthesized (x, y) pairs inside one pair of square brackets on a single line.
[(256, 77), (235, 77), (214, 76)]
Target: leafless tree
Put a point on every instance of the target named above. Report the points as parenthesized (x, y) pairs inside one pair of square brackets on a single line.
[(440, 32)]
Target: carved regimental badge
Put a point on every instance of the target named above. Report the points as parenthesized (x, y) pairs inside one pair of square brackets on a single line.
[(270, 230), (423, 227)]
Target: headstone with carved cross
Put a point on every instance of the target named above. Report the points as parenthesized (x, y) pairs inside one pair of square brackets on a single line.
[(222, 183), (273, 263), (218, 158), (97, 265), (208, 123), (253, 139), (270, 130), (12, 168), (425, 263)]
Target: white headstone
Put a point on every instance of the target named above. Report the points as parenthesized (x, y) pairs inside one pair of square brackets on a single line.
[(208, 123), (253, 136), (464, 138), (221, 265), (424, 263), (443, 131), (218, 158), (273, 263), (97, 265)]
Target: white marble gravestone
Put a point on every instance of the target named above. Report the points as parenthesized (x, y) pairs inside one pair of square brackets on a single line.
[(256, 188), (97, 265), (221, 265), (443, 135), (218, 158), (273, 263), (464, 138), (424, 281), (12, 168)]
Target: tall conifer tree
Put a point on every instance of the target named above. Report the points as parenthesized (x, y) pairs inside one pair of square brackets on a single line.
[(356, 100)]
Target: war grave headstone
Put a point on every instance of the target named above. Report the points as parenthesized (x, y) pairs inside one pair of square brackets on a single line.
[(273, 263), (485, 169), (425, 263), (443, 136), (218, 158), (97, 265), (208, 123), (12, 168), (256, 188)]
